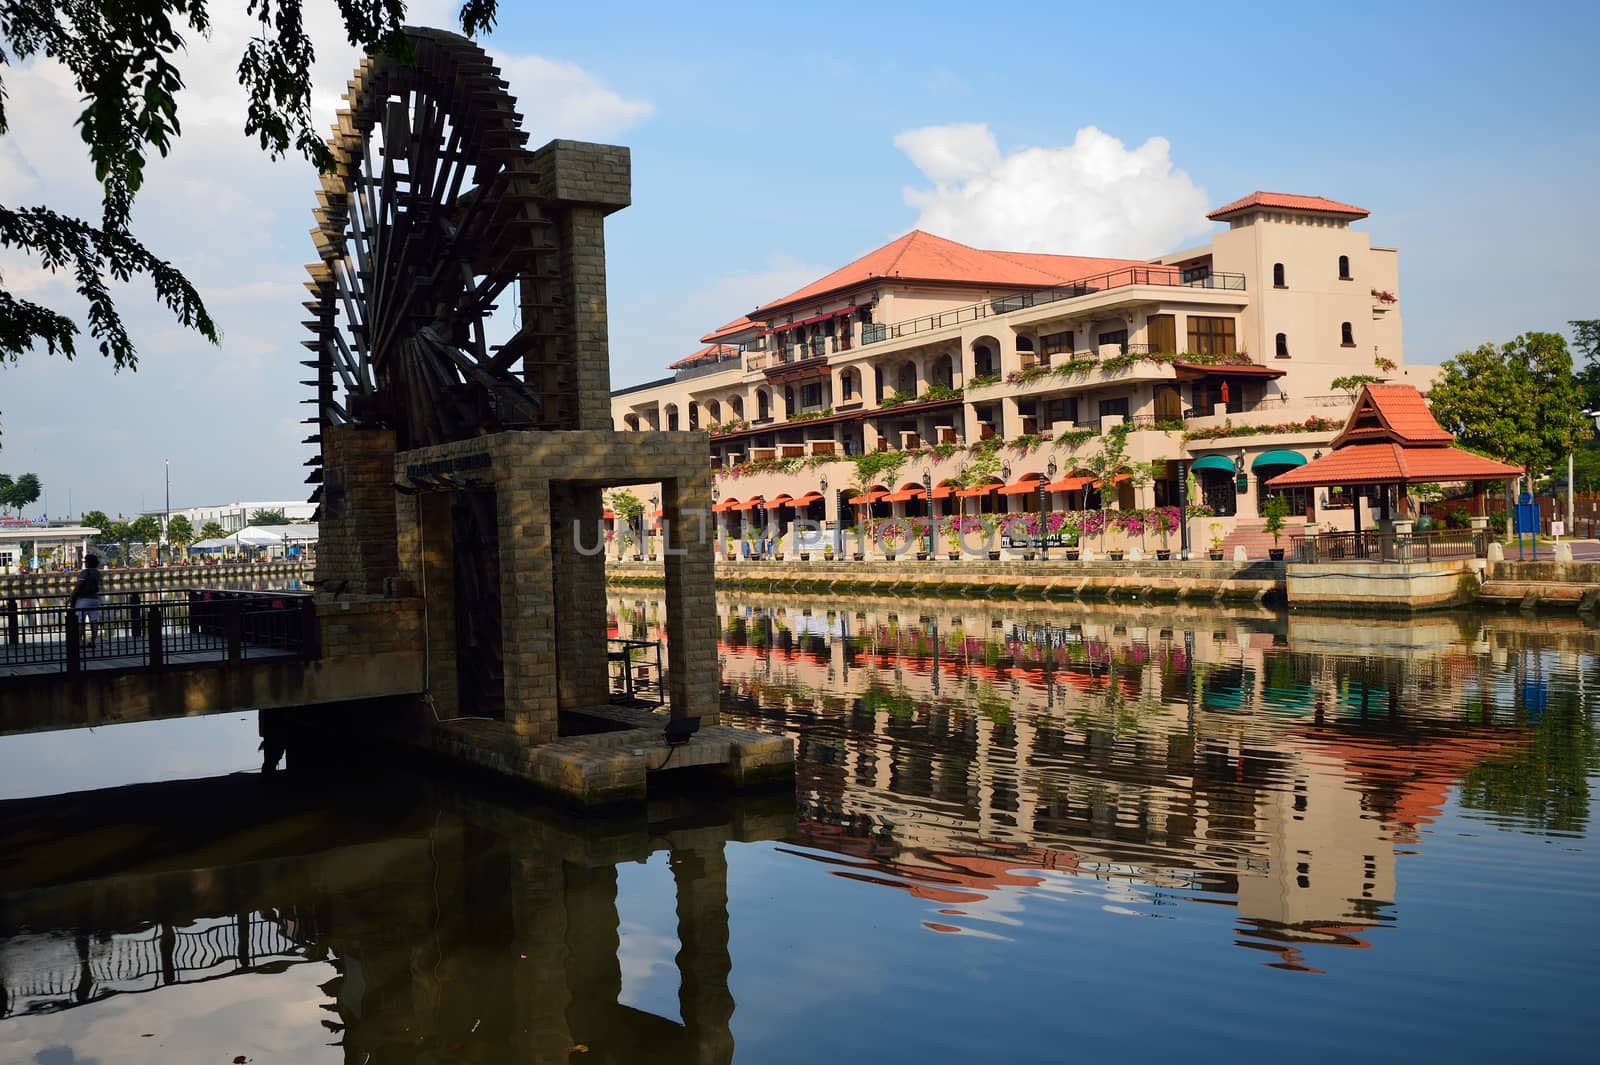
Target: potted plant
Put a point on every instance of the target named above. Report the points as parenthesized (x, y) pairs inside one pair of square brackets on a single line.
[(953, 538), (1166, 520), (1275, 510), (1216, 541)]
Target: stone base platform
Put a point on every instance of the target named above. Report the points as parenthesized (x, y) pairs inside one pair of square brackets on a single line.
[(1402, 587), (617, 764)]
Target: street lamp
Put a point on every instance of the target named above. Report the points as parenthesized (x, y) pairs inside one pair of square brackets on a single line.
[(927, 511), (1044, 511)]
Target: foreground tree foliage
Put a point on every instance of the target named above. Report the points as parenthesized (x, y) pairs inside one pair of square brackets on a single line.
[(1518, 403), (122, 55), (1586, 337), (24, 491)]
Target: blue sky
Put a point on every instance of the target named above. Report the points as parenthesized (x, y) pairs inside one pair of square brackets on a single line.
[(772, 143)]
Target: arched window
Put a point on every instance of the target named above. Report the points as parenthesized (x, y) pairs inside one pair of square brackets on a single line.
[(763, 404), (694, 416), (736, 405), (1277, 276), (943, 372), (672, 417), (1344, 268), (850, 384), (905, 380), (982, 361), (714, 412), (1283, 346), (788, 399), (1347, 336)]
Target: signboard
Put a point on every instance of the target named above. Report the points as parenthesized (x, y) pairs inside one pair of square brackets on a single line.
[(1558, 529), (1527, 518)]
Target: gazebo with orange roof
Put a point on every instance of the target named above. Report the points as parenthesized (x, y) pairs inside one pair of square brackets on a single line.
[(1392, 438)]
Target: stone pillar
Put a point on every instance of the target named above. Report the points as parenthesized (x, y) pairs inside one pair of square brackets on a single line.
[(1010, 426), (528, 615), (704, 1001), (358, 548), (593, 941), (694, 674), (580, 596)]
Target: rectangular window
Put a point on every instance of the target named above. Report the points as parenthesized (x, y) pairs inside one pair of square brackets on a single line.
[(1196, 275), (1119, 337), (1162, 333), (811, 395), (1112, 407), (1211, 336), (1056, 344)]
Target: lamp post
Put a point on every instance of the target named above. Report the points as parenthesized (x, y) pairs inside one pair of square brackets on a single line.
[(1044, 511), (1183, 509), (166, 518)]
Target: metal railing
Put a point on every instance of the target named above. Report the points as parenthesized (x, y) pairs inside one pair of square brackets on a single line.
[(150, 630), (1161, 276), (703, 369), (1430, 546), (637, 676)]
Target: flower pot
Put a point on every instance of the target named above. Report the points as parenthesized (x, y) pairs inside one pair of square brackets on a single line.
[(858, 556), (1115, 556), (1072, 554), (1164, 556), (805, 556), (1275, 553), (994, 556), (922, 556), (953, 556), (1215, 556)]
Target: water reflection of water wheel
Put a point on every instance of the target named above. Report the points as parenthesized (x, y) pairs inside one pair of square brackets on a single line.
[(428, 219)]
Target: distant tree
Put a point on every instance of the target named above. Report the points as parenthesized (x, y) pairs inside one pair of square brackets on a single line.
[(1586, 336), (268, 516), (24, 492), (212, 531), (119, 533), (180, 533), (1519, 402), (96, 519), (145, 529)]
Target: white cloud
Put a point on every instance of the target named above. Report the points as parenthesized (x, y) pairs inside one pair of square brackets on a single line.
[(560, 99), (1093, 197)]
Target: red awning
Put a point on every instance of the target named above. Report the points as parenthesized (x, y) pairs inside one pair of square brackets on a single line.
[(981, 490), (749, 504), (1029, 483), (658, 513), (611, 515), (780, 500), (871, 497), (943, 491), (904, 495), (1068, 484), (725, 505), (804, 501), (1115, 481)]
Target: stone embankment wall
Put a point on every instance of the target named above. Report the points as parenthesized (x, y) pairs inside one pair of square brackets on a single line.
[(1543, 585), (1122, 581), (141, 579)]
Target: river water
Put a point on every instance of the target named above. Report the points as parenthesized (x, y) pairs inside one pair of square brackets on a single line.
[(1019, 834)]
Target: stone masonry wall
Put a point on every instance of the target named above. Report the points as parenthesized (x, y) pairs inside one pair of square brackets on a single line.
[(357, 550)]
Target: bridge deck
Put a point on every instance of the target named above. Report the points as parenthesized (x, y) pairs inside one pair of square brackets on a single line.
[(48, 658)]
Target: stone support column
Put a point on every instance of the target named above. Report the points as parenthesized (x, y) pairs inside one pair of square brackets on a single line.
[(358, 550), (436, 583), (543, 992), (580, 596), (694, 675), (528, 611)]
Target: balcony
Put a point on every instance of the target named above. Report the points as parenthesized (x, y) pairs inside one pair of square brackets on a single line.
[(1158, 276), (705, 369)]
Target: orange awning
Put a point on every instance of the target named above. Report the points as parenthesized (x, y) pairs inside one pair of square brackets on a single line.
[(1068, 484), (611, 515), (903, 495), (725, 505), (1118, 479), (943, 491), (804, 501), (657, 513), (871, 497), (1027, 484), (981, 490), (749, 504), (780, 500)]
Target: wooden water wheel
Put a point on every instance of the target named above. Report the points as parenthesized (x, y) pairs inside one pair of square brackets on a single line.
[(429, 218)]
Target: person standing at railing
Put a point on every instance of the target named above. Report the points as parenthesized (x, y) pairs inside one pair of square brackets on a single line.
[(85, 598)]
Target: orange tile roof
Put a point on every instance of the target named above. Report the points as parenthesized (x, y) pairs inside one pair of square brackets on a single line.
[(920, 256), (1290, 202), (1386, 462), (1400, 414), (706, 354), (734, 328), (1070, 267)]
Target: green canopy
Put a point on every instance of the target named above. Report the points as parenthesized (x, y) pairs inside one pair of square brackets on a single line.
[(1278, 458), (1213, 462)]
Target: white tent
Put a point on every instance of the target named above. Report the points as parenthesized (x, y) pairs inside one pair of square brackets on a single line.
[(256, 536)]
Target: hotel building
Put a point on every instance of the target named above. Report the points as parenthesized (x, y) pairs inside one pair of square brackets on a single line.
[(1236, 358)]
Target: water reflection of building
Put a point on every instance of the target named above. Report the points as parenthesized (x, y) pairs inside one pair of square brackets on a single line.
[(946, 748), (456, 929)]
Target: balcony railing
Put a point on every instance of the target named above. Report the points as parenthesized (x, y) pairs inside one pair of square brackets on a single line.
[(1161, 276), (1430, 546), (702, 369)]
